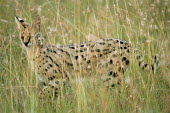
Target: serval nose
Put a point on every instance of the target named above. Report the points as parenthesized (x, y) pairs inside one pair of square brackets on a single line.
[(26, 43)]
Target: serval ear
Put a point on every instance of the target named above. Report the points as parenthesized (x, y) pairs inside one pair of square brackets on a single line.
[(21, 23), (36, 25)]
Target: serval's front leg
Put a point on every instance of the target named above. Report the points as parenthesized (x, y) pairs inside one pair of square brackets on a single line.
[(53, 88)]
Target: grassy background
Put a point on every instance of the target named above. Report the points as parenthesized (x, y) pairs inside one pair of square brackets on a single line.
[(144, 23)]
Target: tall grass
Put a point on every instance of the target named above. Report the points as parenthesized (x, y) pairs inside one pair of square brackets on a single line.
[(143, 23)]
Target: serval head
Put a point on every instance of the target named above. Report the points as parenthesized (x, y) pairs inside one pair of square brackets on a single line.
[(30, 34)]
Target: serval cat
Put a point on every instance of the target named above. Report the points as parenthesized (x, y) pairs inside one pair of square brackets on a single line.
[(55, 66)]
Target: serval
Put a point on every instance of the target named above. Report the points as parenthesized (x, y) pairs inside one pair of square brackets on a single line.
[(56, 65)]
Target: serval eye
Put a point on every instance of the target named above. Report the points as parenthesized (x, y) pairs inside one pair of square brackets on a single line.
[(22, 37)]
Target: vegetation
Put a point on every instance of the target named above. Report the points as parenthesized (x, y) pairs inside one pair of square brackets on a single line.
[(144, 23)]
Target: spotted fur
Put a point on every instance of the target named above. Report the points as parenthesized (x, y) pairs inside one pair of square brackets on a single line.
[(109, 57)]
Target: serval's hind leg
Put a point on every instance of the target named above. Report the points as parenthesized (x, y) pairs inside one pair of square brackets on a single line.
[(112, 79)]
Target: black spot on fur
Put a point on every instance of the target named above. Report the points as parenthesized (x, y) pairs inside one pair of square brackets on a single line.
[(81, 45), (127, 62), (61, 50), (43, 83), (51, 78), (110, 73), (145, 65), (113, 85), (54, 52), (82, 56), (128, 51), (46, 69), (81, 50), (155, 58), (102, 43), (55, 71), (100, 55), (76, 57), (121, 42), (50, 65), (111, 61), (72, 47), (53, 61), (139, 63), (115, 74), (152, 67), (88, 61), (125, 47), (98, 50), (124, 58)]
